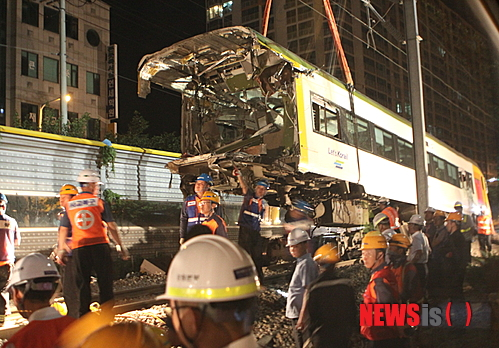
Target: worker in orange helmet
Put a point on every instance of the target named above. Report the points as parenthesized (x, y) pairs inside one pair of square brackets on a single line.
[(382, 288), (409, 287), (455, 260)]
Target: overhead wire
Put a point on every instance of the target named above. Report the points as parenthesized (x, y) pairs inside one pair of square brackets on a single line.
[(400, 66)]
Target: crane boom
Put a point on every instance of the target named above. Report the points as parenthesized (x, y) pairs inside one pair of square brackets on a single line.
[(334, 33)]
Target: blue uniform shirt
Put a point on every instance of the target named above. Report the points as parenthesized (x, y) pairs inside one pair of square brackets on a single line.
[(252, 211)]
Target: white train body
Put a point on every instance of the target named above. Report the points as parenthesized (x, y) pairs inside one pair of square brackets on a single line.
[(250, 104)]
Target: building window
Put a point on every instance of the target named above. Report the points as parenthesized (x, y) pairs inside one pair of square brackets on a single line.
[(251, 14), (305, 28), (51, 20), (28, 115), (29, 64), (50, 69), (72, 116), (71, 27), (292, 32), (72, 75), (93, 37), (215, 11), (93, 129), (30, 13), (93, 83), (227, 6)]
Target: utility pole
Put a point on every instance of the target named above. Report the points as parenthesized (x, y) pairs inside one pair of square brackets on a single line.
[(417, 105), (63, 72)]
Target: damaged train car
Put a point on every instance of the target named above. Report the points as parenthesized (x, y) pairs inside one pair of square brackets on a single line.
[(250, 104)]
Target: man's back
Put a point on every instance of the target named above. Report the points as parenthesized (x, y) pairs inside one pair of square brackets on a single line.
[(332, 311), (42, 332)]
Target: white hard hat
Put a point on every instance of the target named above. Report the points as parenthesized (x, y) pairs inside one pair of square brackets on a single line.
[(211, 268), (379, 218), (89, 175), (417, 220), (297, 236), (33, 266)]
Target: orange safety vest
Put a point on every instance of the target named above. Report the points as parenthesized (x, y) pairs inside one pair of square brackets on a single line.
[(400, 273), (393, 215), (85, 214), (376, 333), (484, 224), (217, 225)]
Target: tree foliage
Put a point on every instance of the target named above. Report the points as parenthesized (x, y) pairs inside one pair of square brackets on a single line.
[(137, 136)]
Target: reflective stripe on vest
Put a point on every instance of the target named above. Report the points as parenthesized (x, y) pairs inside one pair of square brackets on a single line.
[(393, 216), (484, 225), (191, 210), (252, 214)]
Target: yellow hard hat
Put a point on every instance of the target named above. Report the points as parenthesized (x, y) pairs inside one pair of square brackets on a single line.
[(454, 216), (400, 240), (373, 240), (211, 196), (68, 189), (328, 253)]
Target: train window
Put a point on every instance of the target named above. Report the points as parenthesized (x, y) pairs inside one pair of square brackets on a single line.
[(326, 119), (348, 128), (332, 122), (363, 134), (452, 174), (438, 165), (469, 181), (384, 143), (405, 153)]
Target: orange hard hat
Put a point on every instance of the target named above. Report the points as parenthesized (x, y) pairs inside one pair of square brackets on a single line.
[(454, 216), (400, 240)]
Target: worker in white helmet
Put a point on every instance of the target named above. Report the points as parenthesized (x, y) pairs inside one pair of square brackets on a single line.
[(305, 272), (33, 283), (90, 219), (212, 285)]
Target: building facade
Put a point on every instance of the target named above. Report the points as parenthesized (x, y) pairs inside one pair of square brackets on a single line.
[(30, 57), (457, 60)]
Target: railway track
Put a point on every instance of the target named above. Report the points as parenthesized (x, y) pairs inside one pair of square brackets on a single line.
[(137, 298)]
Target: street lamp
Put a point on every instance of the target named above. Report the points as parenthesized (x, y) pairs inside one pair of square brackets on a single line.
[(40, 113)]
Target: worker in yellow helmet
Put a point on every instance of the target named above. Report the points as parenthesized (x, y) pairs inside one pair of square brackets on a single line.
[(382, 288), (69, 285), (329, 313), (208, 202)]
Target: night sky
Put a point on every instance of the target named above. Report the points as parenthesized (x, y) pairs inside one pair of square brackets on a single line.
[(141, 27)]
